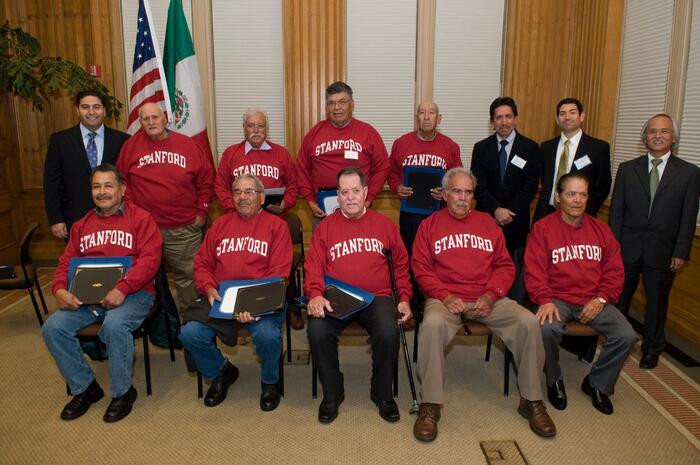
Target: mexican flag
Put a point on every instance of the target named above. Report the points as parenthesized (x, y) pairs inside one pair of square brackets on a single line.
[(182, 76)]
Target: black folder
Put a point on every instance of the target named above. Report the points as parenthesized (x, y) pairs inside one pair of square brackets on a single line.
[(343, 304), (262, 299), (421, 180), (90, 284)]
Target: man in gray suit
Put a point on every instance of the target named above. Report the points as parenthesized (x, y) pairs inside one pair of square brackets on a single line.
[(653, 214)]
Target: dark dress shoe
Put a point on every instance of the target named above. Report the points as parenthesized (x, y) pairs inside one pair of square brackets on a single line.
[(295, 319), (425, 427), (557, 395), (328, 410), (648, 361), (219, 386), (600, 401), (120, 406), (80, 404), (388, 409), (536, 414), (269, 397)]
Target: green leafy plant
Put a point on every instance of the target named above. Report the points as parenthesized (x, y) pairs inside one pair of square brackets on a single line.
[(25, 72)]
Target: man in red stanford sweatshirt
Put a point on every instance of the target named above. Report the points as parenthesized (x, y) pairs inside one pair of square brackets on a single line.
[(461, 264), (269, 162), (113, 228), (348, 245), (335, 143), (573, 270), (169, 176), (246, 243)]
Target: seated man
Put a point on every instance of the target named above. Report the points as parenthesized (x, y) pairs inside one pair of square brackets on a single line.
[(348, 245), (246, 243), (573, 269), (113, 228), (461, 264)]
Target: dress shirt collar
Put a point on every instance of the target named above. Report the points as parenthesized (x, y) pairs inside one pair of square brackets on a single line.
[(264, 146)]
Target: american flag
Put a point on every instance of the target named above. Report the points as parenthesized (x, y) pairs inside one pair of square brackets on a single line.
[(148, 78)]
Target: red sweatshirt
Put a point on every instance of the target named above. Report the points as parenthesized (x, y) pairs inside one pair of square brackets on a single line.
[(172, 179), (467, 257), (273, 167), (351, 250), (133, 234), (572, 263), (408, 150), (326, 150), (237, 248)]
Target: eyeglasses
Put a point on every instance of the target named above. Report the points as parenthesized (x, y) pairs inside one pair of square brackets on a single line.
[(337, 103), (248, 192), (459, 192), (663, 132)]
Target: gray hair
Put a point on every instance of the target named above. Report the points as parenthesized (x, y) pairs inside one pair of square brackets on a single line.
[(253, 111), (455, 171), (258, 183), (676, 131)]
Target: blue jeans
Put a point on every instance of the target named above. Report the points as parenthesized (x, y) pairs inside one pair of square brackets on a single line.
[(198, 339), (117, 326)]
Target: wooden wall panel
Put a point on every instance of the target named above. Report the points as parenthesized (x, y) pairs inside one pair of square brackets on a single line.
[(556, 49), (314, 56)]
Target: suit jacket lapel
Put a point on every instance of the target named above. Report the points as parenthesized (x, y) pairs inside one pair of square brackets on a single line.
[(669, 174), (640, 167), (581, 151), (79, 148)]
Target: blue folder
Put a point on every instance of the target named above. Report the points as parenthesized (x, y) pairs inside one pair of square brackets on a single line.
[(216, 310), (421, 180), (365, 297), (327, 201)]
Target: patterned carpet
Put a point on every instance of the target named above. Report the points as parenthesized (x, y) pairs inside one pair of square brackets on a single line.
[(656, 420)]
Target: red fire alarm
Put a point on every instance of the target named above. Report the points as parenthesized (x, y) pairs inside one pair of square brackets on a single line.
[(94, 70)]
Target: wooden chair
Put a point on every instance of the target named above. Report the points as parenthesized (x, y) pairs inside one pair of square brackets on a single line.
[(92, 333), (353, 329), (25, 273)]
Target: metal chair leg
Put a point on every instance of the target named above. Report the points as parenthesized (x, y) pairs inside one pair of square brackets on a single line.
[(415, 342), (30, 289), (200, 390), (314, 378), (41, 295), (507, 356), (281, 373), (489, 341), (171, 343), (147, 362), (289, 336)]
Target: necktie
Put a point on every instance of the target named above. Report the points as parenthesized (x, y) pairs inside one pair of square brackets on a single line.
[(503, 158), (563, 162), (654, 177), (92, 150)]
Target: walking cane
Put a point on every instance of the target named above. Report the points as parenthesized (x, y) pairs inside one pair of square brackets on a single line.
[(395, 295)]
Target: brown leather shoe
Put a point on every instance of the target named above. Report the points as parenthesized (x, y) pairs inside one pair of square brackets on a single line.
[(536, 414), (425, 428)]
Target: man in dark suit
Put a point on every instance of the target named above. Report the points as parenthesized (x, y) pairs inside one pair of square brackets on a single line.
[(653, 214), (507, 166), (580, 153), (72, 155)]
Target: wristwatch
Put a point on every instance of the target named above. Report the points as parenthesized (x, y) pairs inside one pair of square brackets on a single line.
[(602, 300)]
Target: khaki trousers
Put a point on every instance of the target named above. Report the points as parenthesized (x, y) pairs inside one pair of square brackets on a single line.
[(516, 326), (179, 248)]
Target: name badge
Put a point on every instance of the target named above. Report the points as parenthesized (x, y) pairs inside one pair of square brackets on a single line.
[(519, 162), (351, 155), (582, 162)]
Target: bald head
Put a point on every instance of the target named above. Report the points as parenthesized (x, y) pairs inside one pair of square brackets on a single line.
[(153, 121), (427, 119)]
